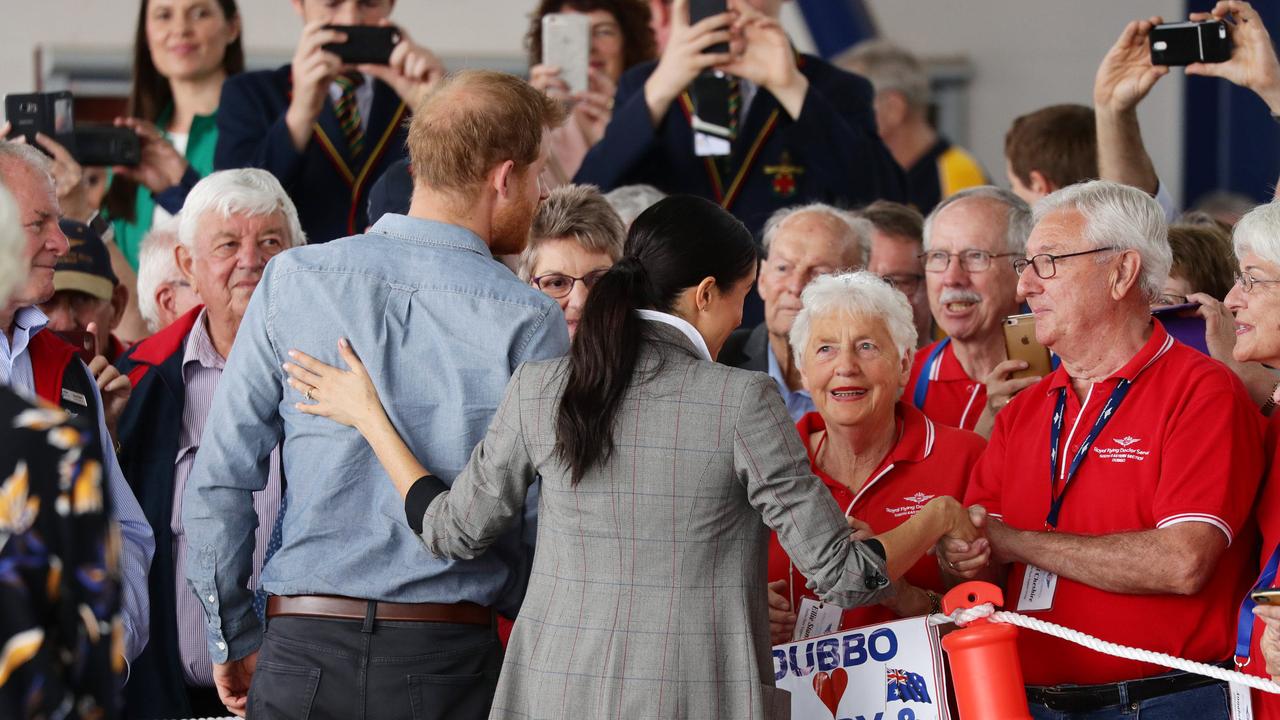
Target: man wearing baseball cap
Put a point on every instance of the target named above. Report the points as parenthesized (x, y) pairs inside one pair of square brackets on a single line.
[(87, 296)]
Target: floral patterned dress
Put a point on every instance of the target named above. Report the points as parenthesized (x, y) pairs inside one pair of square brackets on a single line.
[(61, 638)]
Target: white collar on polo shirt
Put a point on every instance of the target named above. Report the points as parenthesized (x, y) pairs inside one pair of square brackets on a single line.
[(682, 325)]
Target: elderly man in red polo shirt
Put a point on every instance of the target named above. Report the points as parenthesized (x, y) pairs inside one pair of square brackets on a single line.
[(970, 242), (1117, 490)]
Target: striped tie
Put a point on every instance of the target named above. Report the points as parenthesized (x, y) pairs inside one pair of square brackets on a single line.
[(348, 111), (735, 106)]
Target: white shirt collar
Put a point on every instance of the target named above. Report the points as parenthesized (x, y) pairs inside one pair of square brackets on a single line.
[(682, 325)]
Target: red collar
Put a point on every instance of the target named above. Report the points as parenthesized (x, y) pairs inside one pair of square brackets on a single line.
[(916, 439), (159, 347), (1156, 346)]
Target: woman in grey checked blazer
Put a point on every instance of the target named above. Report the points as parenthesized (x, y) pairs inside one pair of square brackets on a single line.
[(657, 465)]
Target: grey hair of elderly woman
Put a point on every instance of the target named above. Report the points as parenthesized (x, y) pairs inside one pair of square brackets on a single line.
[(573, 211), (1258, 233), (854, 294)]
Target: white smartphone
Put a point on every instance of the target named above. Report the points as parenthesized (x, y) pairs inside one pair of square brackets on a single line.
[(566, 43)]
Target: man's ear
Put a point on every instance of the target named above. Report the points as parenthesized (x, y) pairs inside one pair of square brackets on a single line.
[(166, 298), (1126, 275), (893, 106), (1040, 184), (119, 301), (503, 177), (186, 264)]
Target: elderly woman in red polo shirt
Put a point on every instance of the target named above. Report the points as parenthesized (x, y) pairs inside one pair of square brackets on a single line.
[(880, 457), (1255, 301)]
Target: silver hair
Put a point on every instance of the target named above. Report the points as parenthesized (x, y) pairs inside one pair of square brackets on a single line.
[(13, 240), (246, 191), (573, 211), (38, 162), (1017, 219), (156, 267), (1258, 233), (859, 293), (889, 67), (1119, 216), (631, 200), (857, 235)]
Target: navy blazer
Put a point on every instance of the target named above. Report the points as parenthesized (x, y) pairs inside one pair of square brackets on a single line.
[(832, 153), (328, 185)]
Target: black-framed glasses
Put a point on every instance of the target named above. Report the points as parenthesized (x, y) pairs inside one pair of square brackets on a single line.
[(1045, 264), (1247, 281), (558, 285), (972, 259), (906, 283)]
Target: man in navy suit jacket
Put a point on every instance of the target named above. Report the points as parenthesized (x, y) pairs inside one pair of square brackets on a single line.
[(297, 123), (808, 134)]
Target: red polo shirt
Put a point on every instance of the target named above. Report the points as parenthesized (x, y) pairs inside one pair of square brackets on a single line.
[(927, 461), (952, 398), (1184, 446), (1266, 706)]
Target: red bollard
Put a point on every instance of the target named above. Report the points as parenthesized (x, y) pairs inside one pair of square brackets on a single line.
[(985, 670)]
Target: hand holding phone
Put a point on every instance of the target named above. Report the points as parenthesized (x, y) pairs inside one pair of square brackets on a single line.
[(85, 342), (566, 44), (364, 44), (1185, 43), (1020, 343)]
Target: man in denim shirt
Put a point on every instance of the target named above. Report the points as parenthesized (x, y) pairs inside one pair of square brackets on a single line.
[(363, 621)]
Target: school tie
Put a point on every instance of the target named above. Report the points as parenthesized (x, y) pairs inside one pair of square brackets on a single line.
[(348, 111), (735, 106)]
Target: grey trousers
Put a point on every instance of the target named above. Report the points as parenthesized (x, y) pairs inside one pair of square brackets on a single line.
[(351, 670)]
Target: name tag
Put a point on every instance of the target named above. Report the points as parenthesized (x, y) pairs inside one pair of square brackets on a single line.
[(816, 618), (75, 397), (1038, 586), (707, 145), (1241, 702)]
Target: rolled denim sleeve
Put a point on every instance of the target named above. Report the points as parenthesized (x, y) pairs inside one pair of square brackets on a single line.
[(139, 543), (244, 426)]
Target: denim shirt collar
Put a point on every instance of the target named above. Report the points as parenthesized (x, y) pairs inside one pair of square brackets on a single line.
[(430, 232)]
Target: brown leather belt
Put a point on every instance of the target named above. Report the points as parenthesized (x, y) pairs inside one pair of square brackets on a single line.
[(329, 606)]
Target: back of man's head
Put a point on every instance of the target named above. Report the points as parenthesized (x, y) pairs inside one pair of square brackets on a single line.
[(475, 121), (890, 68), (1059, 143), (156, 266)]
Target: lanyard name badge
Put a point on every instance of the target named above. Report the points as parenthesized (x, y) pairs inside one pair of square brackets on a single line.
[(1039, 585)]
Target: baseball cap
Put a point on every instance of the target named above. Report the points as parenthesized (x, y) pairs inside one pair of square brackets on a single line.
[(87, 265)]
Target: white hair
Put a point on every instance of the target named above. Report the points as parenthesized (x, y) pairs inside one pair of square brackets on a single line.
[(30, 157), (1122, 217), (156, 267), (1258, 233), (631, 200), (1017, 219), (13, 240), (889, 67), (245, 191), (857, 235), (855, 294)]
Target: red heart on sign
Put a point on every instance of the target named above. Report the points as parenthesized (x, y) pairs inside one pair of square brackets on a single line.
[(830, 687)]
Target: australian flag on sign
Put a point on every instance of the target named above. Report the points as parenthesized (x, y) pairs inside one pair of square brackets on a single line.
[(906, 686)]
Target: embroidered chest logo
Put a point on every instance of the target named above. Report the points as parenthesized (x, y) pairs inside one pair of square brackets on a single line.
[(784, 175), (1126, 448), (916, 504)]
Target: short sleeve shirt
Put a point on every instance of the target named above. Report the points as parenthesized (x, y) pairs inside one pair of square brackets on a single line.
[(951, 397), (1185, 445), (927, 461)]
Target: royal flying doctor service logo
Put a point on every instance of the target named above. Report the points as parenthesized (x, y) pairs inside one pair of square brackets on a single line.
[(916, 501), (1126, 448)]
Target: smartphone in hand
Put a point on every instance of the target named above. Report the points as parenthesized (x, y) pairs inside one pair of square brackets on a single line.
[(566, 43), (366, 44), (702, 9), (86, 343), (1020, 343)]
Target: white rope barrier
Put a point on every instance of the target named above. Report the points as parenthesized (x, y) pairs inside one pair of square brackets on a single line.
[(964, 616)]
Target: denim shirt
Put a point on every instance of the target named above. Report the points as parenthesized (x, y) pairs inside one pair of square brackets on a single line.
[(441, 327), (799, 402)]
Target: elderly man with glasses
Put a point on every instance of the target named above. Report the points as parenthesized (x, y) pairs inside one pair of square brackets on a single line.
[(1112, 490), (970, 240)]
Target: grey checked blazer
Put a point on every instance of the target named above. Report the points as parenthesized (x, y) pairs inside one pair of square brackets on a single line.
[(647, 598)]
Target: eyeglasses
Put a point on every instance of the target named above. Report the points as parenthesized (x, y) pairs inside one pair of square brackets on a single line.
[(1168, 299), (905, 283), (1044, 263), (1247, 281), (558, 285), (971, 260)]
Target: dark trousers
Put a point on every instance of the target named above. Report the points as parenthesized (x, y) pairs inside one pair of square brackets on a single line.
[(374, 670)]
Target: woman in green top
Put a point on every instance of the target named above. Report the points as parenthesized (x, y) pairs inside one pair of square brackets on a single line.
[(182, 52)]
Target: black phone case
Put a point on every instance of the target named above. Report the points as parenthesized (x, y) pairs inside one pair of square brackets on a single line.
[(31, 113), (365, 45), (701, 9)]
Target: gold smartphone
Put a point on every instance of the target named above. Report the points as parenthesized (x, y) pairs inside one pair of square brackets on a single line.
[(1269, 596), (1020, 343)]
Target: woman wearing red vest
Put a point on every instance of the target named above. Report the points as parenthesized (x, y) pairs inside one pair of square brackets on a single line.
[(880, 457)]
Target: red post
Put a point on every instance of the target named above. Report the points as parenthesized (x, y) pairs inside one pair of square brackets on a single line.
[(985, 670)]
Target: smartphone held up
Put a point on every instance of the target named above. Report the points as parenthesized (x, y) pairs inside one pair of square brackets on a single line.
[(1184, 43), (52, 115)]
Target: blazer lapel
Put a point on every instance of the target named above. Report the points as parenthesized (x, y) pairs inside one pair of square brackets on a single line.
[(334, 143)]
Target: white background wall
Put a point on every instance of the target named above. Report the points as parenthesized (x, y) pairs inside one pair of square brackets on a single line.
[(1025, 54)]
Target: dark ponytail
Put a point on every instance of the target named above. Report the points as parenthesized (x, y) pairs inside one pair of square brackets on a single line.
[(670, 248)]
